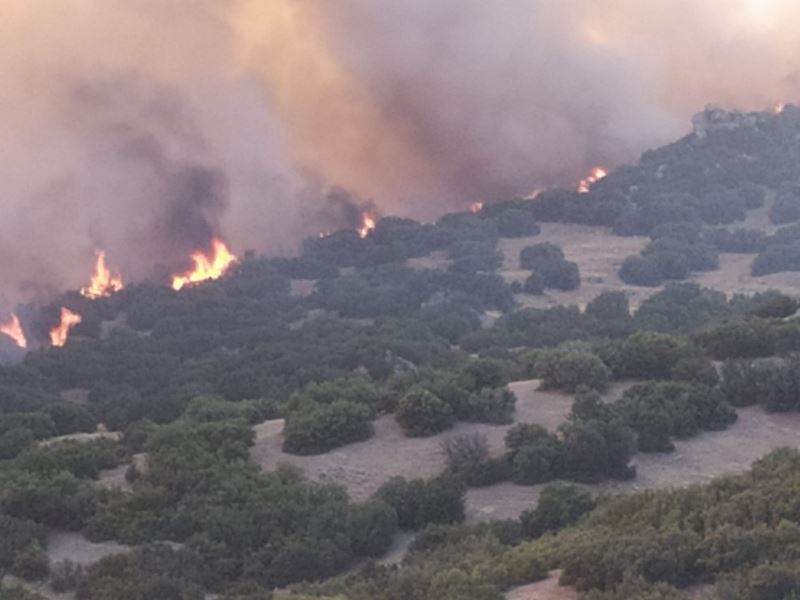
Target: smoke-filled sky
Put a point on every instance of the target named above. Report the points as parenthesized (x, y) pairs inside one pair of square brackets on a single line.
[(144, 126)]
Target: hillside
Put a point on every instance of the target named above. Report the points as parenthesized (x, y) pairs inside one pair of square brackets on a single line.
[(300, 418)]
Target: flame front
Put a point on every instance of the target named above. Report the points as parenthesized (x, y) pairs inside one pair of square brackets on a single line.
[(206, 266), (13, 329), (475, 207), (60, 333), (596, 174), (778, 108), (367, 224), (103, 283)]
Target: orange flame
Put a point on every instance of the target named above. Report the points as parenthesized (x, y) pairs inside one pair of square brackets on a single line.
[(59, 333), (596, 174), (367, 224), (206, 266), (475, 207), (102, 283), (13, 329)]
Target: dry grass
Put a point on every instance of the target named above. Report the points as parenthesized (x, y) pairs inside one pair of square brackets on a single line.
[(362, 467), (598, 253)]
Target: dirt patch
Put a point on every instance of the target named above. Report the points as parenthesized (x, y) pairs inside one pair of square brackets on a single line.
[(38, 587), (72, 546), (734, 277), (598, 253), (77, 395), (302, 287), (434, 260), (364, 466), (84, 437), (712, 454), (697, 460), (547, 589), (116, 478)]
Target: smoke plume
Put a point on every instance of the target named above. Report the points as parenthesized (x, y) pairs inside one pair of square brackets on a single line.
[(146, 127)]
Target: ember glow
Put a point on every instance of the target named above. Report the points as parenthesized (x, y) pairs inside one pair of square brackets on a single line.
[(103, 283), (60, 333), (210, 265), (475, 207), (596, 174), (367, 224), (13, 329)]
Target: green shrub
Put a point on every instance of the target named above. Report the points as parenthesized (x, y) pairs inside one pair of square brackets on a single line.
[(320, 428), (420, 413)]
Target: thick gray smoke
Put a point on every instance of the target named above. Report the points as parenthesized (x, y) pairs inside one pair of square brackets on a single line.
[(145, 127)]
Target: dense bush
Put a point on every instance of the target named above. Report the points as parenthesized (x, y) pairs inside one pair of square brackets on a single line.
[(419, 502), (786, 208), (559, 505), (547, 261), (514, 222), (568, 368), (660, 411), (737, 241), (468, 458), (533, 453), (646, 355), (317, 429), (640, 270), (420, 413)]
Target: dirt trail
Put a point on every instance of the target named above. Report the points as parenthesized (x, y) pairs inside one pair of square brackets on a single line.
[(547, 589)]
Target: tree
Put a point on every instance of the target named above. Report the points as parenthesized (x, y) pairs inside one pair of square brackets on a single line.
[(468, 458), (609, 306), (639, 270), (420, 414), (533, 453), (419, 502), (567, 369), (559, 505)]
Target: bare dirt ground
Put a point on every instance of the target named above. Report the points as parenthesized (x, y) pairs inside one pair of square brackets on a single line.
[(547, 589), (302, 287), (696, 460), (435, 260), (733, 277), (84, 437), (364, 466), (70, 545), (598, 253), (40, 588)]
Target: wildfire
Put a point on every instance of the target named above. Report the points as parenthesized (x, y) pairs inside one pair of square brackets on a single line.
[(778, 108), (596, 174), (475, 207), (13, 329), (206, 266), (59, 333), (367, 224), (102, 283)]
